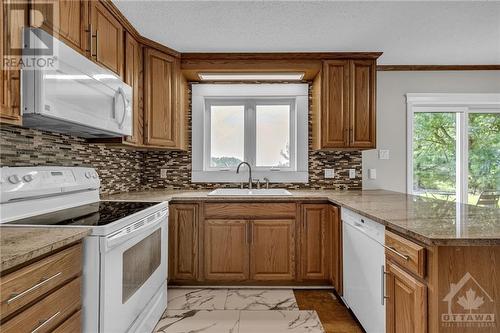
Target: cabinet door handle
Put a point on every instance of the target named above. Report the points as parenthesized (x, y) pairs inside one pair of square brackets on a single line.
[(15, 297), (96, 43), (383, 273), (89, 41), (45, 322)]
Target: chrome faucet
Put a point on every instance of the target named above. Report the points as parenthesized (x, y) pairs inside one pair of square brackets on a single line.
[(249, 173)]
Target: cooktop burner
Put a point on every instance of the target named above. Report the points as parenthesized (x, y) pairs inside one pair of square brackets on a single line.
[(94, 214)]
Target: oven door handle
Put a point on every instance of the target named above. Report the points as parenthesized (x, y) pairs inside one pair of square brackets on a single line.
[(133, 230)]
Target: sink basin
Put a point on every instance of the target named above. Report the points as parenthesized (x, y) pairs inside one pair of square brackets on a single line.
[(247, 192)]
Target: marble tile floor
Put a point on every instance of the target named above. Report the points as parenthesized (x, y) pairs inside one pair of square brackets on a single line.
[(236, 311)]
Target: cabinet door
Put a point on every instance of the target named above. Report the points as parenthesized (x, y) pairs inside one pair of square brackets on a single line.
[(226, 250), (132, 72), (406, 308), (14, 18), (315, 245), (159, 91), (362, 118), (64, 19), (335, 111), (336, 252), (107, 38), (272, 250), (183, 240)]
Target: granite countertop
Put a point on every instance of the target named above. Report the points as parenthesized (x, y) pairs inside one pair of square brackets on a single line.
[(21, 244), (431, 221)]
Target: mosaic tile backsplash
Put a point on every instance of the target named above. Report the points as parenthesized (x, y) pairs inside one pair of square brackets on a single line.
[(120, 170), (124, 170)]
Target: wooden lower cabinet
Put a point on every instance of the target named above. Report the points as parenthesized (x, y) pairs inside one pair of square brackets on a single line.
[(226, 250), (406, 301), (315, 242), (336, 253), (272, 250), (183, 241)]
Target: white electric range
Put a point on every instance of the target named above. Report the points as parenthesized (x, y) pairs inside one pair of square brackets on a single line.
[(125, 256)]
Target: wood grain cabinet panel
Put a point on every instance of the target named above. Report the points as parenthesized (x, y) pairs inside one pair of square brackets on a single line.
[(11, 37), (272, 250), (226, 249), (133, 54), (107, 38), (66, 20), (183, 233), (160, 107), (406, 302), (336, 252), (315, 244), (362, 117), (72, 325), (335, 114)]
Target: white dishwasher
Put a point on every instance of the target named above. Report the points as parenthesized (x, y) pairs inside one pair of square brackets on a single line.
[(364, 259)]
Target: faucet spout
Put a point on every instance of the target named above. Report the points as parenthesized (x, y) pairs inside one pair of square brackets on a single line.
[(249, 173)]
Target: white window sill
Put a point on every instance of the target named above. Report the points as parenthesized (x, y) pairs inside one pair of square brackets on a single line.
[(242, 177)]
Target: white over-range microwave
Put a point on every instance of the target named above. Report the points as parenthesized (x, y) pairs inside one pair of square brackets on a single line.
[(76, 96)]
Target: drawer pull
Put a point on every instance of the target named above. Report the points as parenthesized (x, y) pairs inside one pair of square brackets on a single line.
[(16, 296), (399, 254), (45, 322)]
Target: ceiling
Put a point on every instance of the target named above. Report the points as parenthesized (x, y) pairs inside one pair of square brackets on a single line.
[(430, 32)]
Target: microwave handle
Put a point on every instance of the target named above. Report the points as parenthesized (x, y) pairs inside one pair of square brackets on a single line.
[(121, 92)]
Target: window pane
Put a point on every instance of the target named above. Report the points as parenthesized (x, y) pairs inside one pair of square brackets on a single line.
[(434, 155), (273, 135), (484, 159), (227, 135)]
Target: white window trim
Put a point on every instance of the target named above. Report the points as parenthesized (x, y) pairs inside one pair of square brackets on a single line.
[(204, 93), (462, 105)]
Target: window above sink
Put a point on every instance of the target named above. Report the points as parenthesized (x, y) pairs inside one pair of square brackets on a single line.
[(265, 125)]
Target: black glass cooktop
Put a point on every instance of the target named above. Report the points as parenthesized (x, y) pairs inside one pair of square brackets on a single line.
[(94, 214)]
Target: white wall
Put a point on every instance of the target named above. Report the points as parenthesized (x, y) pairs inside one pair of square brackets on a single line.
[(391, 116)]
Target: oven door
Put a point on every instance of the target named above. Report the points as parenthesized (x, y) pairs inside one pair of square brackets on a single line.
[(133, 269)]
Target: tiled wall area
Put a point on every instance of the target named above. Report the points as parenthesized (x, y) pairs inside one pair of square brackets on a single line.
[(123, 170), (120, 169)]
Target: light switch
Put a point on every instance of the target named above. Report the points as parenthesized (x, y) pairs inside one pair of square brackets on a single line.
[(329, 173), (352, 173), (383, 154), (372, 173)]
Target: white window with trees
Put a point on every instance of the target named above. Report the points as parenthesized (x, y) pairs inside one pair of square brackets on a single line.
[(454, 147), (265, 125)]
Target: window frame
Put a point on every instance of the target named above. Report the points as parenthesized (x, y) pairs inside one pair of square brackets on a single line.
[(250, 95), (460, 104)]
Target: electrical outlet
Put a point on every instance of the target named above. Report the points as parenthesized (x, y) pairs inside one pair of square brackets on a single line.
[(352, 173), (329, 173), (372, 173), (163, 173), (383, 154)]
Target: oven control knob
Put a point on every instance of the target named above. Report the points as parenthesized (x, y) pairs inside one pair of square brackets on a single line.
[(14, 179), (27, 178), (88, 175)]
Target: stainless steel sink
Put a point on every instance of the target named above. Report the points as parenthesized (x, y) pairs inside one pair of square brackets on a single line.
[(248, 192)]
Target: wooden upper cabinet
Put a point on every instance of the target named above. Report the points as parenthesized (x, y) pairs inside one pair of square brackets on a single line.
[(406, 303), (272, 254), (226, 249), (335, 114), (315, 242), (107, 38), (162, 117), (133, 55), (11, 36), (362, 117), (183, 241), (343, 105), (67, 20)]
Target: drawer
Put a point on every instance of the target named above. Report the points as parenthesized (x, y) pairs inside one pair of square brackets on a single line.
[(48, 313), (73, 324), (250, 210), (406, 253), (28, 283)]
